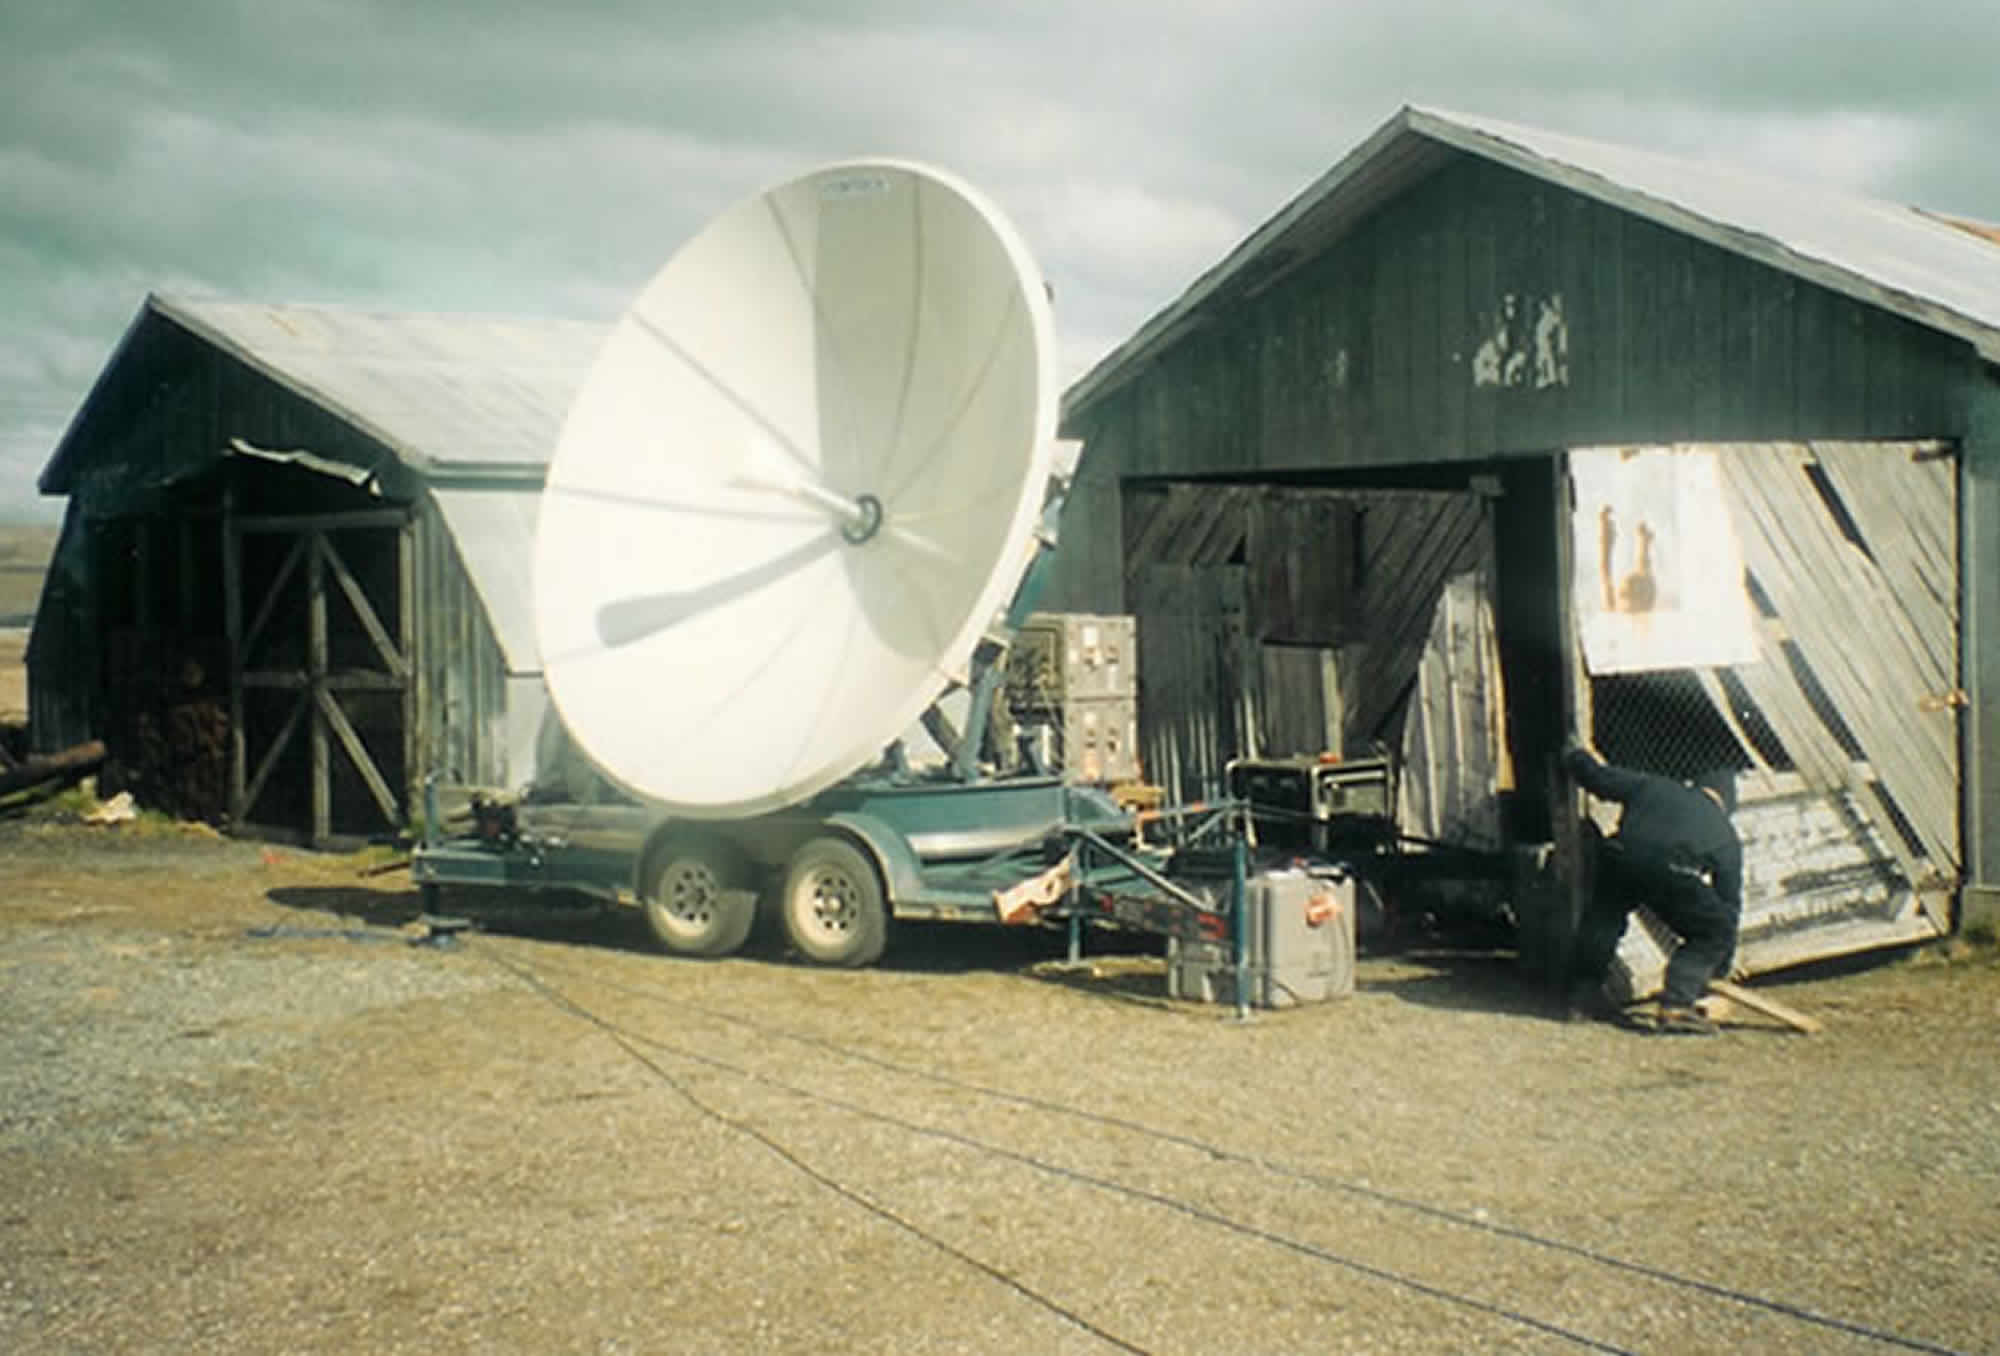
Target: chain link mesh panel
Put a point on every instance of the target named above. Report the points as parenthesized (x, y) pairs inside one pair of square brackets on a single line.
[(1666, 722)]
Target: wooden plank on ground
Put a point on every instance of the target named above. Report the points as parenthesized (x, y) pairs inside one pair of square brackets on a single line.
[(1767, 1005), (73, 762)]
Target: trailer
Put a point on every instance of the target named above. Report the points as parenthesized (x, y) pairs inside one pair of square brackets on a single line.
[(810, 488)]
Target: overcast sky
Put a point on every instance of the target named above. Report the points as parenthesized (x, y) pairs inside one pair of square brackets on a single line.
[(546, 159)]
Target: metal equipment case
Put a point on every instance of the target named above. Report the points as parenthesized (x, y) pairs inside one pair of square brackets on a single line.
[(1062, 657), (1326, 806), (1072, 683), (1299, 946)]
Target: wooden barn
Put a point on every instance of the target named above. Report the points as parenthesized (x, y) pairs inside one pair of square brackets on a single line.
[(1491, 434), (292, 577)]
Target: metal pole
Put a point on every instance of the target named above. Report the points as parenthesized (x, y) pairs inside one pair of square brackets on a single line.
[(1082, 851), (1239, 930)]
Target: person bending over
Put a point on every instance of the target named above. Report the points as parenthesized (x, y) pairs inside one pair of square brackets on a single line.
[(1676, 853)]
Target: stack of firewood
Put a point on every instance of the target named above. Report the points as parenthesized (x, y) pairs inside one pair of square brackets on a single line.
[(176, 761), (168, 734)]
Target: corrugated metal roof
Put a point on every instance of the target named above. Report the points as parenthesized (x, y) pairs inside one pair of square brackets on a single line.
[(1899, 258), (447, 393), (453, 396), (473, 404)]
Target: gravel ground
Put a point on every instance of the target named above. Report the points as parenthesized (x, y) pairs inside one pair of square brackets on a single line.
[(238, 1111)]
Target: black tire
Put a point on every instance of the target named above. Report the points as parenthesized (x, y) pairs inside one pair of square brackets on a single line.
[(698, 899), (832, 906)]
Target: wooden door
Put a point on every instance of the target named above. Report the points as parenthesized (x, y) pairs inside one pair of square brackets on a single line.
[(320, 624)]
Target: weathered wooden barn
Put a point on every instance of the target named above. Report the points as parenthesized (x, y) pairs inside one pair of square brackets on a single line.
[(1338, 481), (292, 577)]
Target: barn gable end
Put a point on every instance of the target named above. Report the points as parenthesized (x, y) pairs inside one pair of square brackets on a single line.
[(288, 584), (1458, 304)]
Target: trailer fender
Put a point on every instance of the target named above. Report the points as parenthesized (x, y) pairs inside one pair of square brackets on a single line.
[(902, 872)]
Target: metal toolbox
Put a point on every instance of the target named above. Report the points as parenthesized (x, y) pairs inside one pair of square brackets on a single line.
[(1300, 946), (1062, 657)]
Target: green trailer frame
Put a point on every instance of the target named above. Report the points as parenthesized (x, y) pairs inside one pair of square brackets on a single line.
[(834, 872)]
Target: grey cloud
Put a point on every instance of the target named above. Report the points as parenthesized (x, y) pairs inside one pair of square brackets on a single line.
[(515, 156)]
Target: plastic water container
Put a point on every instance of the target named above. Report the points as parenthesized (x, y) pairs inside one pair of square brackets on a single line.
[(1300, 946)]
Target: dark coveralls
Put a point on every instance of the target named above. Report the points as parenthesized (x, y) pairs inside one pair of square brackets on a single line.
[(1676, 853)]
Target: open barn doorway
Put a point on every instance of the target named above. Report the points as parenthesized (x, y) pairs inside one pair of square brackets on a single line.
[(1354, 619), (1414, 614)]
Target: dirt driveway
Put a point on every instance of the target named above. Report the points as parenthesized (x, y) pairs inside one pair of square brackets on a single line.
[(240, 1112)]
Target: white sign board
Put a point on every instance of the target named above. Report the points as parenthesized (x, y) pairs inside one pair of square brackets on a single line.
[(1656, 571)]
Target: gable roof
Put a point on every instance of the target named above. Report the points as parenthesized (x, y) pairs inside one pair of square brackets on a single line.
[(450, 395), (1937, 272), (472, 404)]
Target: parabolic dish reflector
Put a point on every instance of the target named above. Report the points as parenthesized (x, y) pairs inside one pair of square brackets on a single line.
[(798, 483)]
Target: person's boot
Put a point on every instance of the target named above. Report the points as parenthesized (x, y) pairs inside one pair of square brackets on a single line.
[(1683, 1019)]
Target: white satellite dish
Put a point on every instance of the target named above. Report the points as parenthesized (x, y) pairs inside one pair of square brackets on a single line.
[(799, 482)]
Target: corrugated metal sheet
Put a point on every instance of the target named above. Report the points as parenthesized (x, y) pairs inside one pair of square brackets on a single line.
[(463, 685), (1899, 258), (494, 529), (449, 394), (1884, 253)]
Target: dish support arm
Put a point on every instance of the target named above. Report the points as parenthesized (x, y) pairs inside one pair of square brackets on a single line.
[(990, 658)]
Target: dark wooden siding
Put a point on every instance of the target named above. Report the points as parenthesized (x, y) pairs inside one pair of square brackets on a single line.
[(1412, 341), (1486, 313)]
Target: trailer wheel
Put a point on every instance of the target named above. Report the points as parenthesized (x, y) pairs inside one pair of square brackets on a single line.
[(832, 906), (698, 900)]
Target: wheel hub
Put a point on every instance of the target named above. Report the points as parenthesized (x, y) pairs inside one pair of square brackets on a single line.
[(690, 892), (835, 902)]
